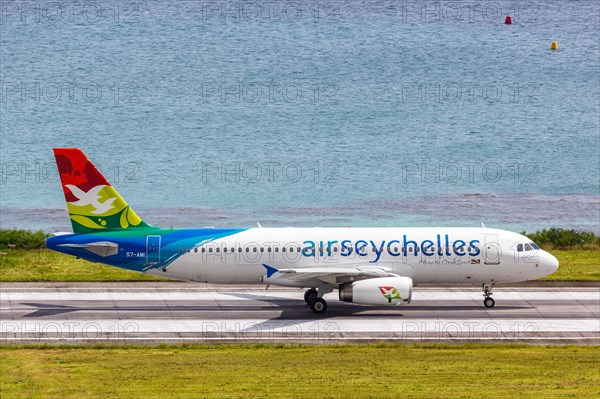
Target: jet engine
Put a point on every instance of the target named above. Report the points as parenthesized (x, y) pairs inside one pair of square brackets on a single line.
[(383, 291)]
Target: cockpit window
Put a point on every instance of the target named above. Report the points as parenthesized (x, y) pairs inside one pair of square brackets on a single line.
[(528, 246)]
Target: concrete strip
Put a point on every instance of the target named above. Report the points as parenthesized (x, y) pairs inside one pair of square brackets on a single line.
[(140, 314)]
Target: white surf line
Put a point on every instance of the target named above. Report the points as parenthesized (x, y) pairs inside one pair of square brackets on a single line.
[(418, 295)]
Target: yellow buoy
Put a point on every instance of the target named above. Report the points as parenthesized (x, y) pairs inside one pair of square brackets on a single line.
[(554, 45)]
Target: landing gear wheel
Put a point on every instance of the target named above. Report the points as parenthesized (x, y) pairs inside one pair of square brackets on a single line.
[(318, 305), (489, 302), (310, 295)]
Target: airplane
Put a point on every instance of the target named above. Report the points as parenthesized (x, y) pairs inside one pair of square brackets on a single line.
[(369, 266)]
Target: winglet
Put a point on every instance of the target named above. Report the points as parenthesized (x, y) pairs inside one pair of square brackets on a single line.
[(270, 270), (483, 225)]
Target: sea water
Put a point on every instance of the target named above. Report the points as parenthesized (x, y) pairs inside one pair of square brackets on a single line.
[(305, 113)]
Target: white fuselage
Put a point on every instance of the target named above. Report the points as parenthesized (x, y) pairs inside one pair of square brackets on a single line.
[(442, 255)]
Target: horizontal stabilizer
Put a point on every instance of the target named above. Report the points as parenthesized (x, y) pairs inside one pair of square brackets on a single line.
[(100, 248)]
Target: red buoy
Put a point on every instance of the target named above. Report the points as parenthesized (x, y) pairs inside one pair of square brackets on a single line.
[(508, 20)]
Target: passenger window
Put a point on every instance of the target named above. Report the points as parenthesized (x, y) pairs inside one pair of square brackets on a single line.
[(253, 249), (196, 249), (283, 249)]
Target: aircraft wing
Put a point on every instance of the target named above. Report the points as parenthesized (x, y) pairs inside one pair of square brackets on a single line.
[(324, 274)]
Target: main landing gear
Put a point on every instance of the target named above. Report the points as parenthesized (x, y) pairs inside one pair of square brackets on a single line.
[(314, 299), (310, 295), (488, 302)]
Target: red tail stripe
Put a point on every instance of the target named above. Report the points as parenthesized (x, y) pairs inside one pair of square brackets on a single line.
[(75, 168)]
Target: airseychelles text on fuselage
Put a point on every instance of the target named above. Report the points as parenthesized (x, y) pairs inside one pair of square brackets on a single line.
[(212, 245), (394, 247)]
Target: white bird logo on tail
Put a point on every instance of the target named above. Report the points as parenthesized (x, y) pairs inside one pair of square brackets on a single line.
[(91, 198)]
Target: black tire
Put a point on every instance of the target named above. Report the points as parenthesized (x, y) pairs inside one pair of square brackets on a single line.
[(489, 302), (310, 295), (318, 305)]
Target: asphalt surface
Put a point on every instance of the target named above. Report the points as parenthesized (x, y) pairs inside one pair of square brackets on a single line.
[(153, 313)]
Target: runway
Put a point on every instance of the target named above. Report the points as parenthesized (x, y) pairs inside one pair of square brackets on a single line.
[(152, 313)]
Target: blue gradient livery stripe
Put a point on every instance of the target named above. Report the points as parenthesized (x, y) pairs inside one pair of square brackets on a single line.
[(132, 248)]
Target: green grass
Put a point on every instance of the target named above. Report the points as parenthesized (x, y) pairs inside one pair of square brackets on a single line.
[(383, 371), (576, 265), (46, 265)]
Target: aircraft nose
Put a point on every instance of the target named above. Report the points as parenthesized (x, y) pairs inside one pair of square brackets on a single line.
[(551, 263)]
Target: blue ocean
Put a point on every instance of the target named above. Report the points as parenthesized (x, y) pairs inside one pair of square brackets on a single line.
[(306, 113)]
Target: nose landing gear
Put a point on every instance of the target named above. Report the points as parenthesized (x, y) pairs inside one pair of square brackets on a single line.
[(488, 302)]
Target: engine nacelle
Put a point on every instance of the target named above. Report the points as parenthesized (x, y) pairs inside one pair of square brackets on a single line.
[(378, 291)]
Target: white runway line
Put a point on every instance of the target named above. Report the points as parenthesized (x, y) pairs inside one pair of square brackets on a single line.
[(259, 330), (291, 326)]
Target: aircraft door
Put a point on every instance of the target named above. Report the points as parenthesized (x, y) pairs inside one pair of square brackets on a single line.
[(491, 250), (153, 250)]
